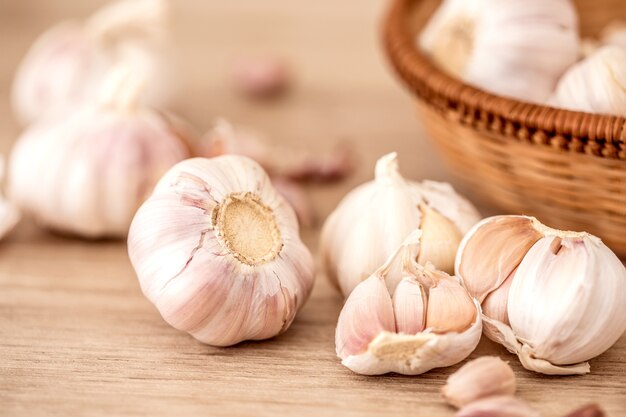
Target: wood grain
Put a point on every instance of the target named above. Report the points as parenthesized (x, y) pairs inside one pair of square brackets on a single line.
[(78, 338)]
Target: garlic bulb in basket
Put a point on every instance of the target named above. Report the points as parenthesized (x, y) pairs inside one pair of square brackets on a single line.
[(515, 48), (217, 250), (375, 218), (87, 174), (428, 321), (597, 84), (555, 298), (68, 63), (9, 214)]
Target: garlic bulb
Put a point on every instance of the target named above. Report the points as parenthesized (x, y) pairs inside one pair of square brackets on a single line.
[(555, 298), (597, 84), (515, 48), (428, 321), (217, 250), (68, 63), (374, 219), (9, 214), (483, 377), (87, 174)]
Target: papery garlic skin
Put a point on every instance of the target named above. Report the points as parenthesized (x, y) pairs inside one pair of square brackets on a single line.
[(597, 84), (516, 48), (567, 298), (372, 220), (68, 63), (9, 214), (86, 174), (217, 250), (377, 333)]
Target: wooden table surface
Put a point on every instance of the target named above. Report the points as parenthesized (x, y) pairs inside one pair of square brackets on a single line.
[(77, 336)]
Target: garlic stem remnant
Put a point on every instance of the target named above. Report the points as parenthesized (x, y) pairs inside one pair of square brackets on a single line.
[(217, 250), (68, 63), (483, 377), (9, 214), (489, 43), (499, 406), (96, 166), (597, 84), (555, 298), (373, 220), (428, 322)]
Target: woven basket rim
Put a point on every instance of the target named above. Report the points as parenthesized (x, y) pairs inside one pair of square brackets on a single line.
[(571, 131)]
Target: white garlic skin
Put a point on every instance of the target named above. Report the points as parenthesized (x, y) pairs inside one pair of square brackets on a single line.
[(515, 48), (567, 299), (373, 220), (68, 63), (87, 174), (597, 84), (187, 270)]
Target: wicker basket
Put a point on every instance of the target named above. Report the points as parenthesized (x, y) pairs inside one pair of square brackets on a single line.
[(567, 168)]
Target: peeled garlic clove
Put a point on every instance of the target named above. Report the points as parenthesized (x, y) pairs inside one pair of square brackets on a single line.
[(597, 84), (487, 44), (409, 306), (217, 250), (450, 308), (373, 220), (491, 250), (440, 240), (499, 406), (483, 377), (96, 166), (9, 214)]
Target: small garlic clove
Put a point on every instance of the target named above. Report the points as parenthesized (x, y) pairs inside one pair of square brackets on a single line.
[(491, 250), (261, 77), (450, 308), (368, 311), (499, 406), (590, 410), (409, 306), (440, 240), (483, 377)]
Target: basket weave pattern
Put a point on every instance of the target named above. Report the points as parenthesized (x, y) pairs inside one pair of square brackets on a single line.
[(567, 168)]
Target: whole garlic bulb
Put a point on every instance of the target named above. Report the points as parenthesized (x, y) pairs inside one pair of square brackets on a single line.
[(68, 63), (597, 84), (9, 214), (87, 174), (516, 48), (374, 219), (555, 298), (428, 321), (217, 250)]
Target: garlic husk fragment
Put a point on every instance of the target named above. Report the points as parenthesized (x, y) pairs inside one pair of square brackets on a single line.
[(373, 220), (217, 250), (9, 213), (498, 406), (68, 63), (517, 48), (597, 84), (566, 301), (430, 321), (483, 377), (96, 166)]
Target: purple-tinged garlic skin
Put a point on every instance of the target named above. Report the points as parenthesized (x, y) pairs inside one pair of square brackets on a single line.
[(217, 250), (498, 406)]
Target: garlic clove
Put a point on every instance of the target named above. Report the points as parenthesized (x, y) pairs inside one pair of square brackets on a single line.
[(409, 306), (440, 240), (499, 406), (450, 308), (442, 197), (368, 311), (491, 250), (483, 377), (591, 410), (495, 305)]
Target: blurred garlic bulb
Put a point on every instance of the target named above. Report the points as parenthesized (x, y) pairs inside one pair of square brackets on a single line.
[(555, 298), (515, 48), (428, 321), (9, 214), (68, 63), (614, 34), (217, 250), (374, 219), (597, 84), (87, 174)]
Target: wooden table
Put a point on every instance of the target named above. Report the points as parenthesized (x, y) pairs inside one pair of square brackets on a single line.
[(78, 338)]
